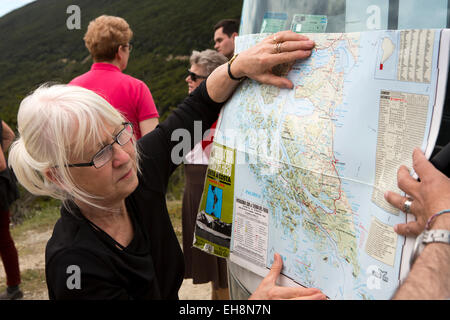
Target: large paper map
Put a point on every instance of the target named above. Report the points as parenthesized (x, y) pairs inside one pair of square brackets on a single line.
[(311, 164), (302, 172)]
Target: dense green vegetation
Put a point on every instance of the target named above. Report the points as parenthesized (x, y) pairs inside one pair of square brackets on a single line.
[(36, 46)]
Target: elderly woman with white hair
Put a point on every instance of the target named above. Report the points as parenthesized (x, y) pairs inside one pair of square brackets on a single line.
[(114, 239)]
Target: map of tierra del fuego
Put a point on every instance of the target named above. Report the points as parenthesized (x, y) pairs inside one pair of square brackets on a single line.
[(307, 167)]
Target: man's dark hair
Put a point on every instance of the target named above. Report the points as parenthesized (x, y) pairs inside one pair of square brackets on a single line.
[(230, 26)]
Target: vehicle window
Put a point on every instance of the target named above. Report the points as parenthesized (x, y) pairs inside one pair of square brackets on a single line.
[(270, 16)]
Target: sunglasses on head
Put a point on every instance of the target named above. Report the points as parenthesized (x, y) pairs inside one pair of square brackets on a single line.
[(194, 76)]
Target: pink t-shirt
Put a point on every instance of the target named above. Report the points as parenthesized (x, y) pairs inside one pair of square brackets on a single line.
[(129, 95)]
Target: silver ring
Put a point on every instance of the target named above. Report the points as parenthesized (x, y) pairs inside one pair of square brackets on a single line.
[(407, 206)]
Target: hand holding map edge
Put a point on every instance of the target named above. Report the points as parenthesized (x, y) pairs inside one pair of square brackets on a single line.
[(258, 63), (282, 47), (430, 195), (268, 290)]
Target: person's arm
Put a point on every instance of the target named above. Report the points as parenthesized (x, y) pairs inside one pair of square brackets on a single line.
[(7, 139), (429, 277), (8, 136), (146, 113), (148, 125), (2, 160)]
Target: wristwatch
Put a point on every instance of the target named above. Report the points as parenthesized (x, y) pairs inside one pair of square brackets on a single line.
[(426, 237)]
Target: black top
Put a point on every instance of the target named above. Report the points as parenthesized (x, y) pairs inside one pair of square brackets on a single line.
[(83, 262), (8, 187)]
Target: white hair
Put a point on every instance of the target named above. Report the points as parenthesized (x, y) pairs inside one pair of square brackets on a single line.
[(208, 59), (56, 123)]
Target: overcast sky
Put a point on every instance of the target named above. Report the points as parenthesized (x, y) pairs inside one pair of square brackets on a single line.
[(9, 5)]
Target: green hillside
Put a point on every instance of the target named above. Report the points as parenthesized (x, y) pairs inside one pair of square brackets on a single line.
[(36, 45)]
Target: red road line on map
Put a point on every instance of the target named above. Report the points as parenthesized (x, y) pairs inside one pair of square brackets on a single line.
[(309, 266)]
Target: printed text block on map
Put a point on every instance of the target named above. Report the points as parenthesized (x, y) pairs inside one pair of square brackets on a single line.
[(381, 242), (401, 128)]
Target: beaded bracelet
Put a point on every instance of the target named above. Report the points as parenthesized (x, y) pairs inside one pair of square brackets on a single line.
[(434, 216)]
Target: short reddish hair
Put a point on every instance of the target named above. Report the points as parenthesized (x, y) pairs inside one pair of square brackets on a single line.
[(104, 36)]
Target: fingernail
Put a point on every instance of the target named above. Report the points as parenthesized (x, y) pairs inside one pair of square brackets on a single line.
[(396, 228), (288, 85)]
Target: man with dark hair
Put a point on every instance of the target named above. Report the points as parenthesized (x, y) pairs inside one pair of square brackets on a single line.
[(224, 33)]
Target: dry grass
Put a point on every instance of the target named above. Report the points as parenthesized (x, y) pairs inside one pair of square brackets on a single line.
[(174, 208), (32, 235)]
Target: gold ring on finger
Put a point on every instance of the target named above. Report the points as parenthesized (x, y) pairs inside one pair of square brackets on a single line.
[(278, 47)]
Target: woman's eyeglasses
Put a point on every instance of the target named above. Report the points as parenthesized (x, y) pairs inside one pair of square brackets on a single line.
[(129, 45), (105, 154), (195, 76)]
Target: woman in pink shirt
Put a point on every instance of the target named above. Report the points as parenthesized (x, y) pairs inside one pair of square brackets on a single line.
[(108, 40)]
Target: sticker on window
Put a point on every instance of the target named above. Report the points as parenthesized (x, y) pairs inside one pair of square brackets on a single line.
[(273, 22), (308, 23)]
